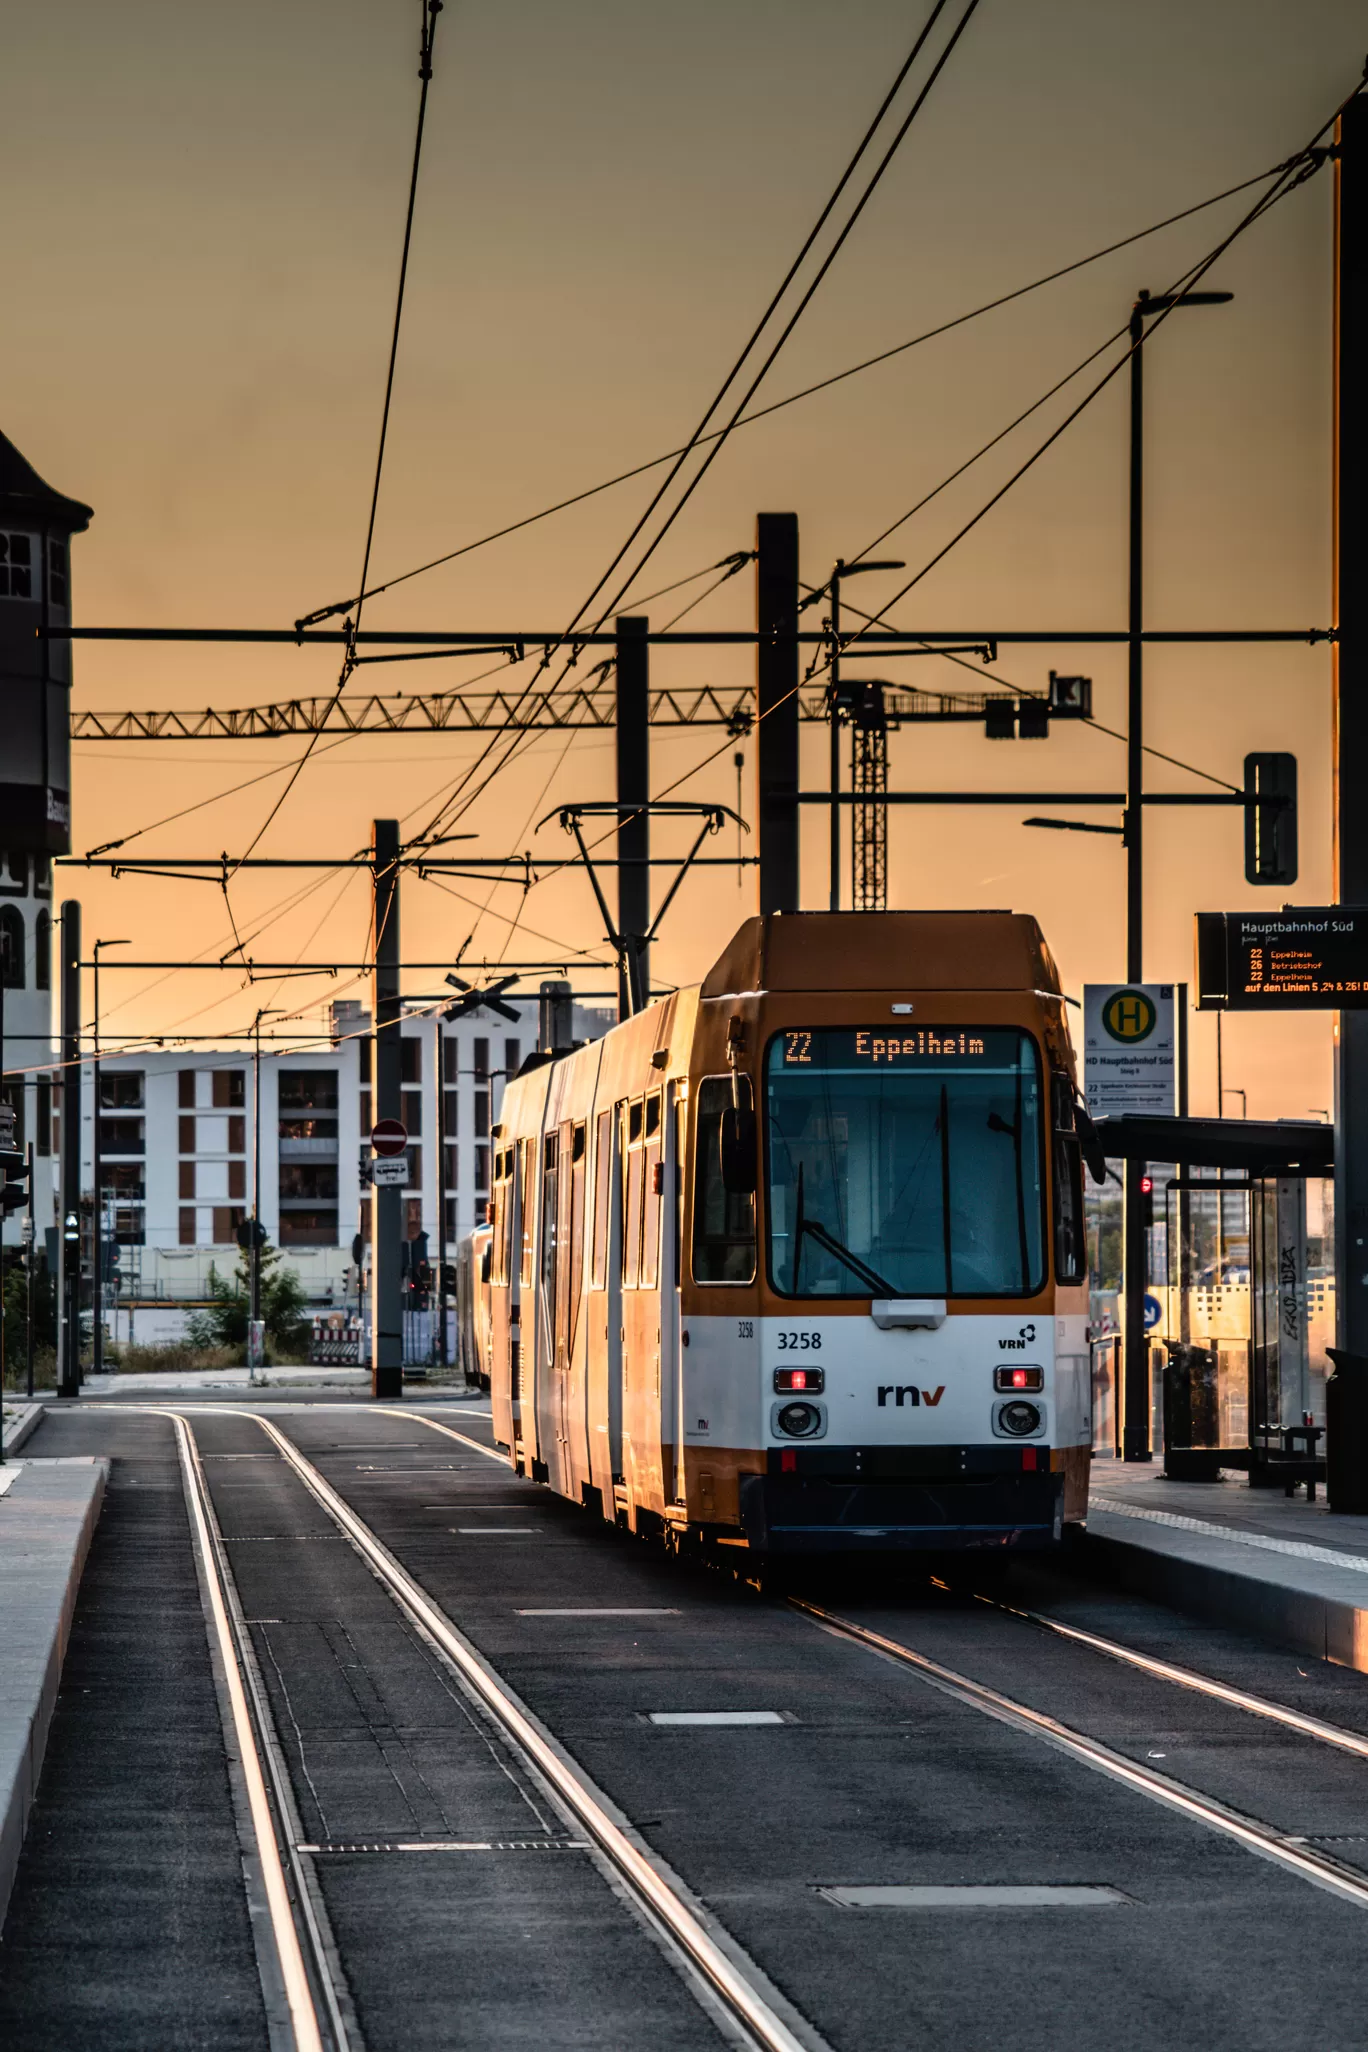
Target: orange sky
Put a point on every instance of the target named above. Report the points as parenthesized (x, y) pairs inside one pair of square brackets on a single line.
[(201, 290)]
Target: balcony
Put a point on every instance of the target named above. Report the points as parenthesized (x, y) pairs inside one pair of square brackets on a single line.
[(308, 1150)]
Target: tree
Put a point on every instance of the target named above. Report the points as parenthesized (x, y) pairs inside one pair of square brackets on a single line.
[(283, 1300)]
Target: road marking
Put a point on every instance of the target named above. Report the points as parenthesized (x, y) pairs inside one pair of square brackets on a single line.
[(968, 1896), (496, 1531), (1247, 1831), (715, 1717), (603, 1610), (426, 1845)]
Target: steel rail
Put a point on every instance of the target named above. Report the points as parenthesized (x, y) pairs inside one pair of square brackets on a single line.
[(662, 1899), (1188, 1678), (1256, 1837), (289, 1906)]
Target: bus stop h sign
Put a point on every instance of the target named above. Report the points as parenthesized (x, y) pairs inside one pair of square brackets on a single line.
[(1128, 1048)]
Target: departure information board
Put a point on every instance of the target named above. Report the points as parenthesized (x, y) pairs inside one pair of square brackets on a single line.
[(1306, 958)]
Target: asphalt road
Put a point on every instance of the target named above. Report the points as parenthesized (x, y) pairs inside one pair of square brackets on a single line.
[(129, 1927)]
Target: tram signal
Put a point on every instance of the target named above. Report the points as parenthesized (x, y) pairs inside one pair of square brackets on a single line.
[(1270, 814), (490, 999), (71, 1229)]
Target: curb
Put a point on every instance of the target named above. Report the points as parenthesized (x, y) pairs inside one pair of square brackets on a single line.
[(23, 1427), (23, 1749), (1303, 1619)]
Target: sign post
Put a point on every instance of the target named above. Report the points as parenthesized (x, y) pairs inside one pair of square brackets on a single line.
[(1130, 1065)]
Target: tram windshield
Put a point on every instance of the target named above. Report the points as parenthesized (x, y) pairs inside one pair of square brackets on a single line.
[(905, 1164)]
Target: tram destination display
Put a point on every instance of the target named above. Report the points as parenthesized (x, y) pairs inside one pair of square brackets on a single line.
[(1306, 958)]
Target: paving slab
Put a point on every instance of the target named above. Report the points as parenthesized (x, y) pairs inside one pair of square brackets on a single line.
[(47, 1516), (1252, 1559)]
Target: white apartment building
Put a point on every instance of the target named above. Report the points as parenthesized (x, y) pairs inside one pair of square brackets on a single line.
[(180, 1155)]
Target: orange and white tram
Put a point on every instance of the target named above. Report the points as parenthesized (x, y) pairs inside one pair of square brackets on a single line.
[(794, 1260)]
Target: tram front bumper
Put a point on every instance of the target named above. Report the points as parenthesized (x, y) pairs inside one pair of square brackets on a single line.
[(801, 1514)]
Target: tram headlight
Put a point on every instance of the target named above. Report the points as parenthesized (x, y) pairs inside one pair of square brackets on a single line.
[(798, 1420), (1019, 1419)]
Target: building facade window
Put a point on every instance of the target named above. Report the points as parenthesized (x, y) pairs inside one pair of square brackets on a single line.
[(230, 1088), (16, 565), (12, 947), (43, 1120), (42, 876), (121, 1089), (42, 951), (58, 584)]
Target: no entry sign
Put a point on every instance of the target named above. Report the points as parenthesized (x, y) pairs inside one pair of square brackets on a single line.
[(389, 1136)]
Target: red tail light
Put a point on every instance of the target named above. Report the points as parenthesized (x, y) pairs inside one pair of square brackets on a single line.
[(1018, 1378), (810, 1380)]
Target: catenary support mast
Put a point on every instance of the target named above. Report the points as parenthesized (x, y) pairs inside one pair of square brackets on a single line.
[(387, 1200)]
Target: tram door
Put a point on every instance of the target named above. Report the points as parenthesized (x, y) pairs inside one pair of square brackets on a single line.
[(567, 1403), (544, 1402), (671, 1348), (601, 1313)]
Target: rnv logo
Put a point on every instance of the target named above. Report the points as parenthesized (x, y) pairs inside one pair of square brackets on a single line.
[(905, 1392)]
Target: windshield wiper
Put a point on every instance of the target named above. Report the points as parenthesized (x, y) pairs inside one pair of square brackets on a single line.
[(803, 1224)]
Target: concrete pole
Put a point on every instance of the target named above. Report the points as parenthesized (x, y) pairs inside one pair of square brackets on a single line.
[(387, 1202), (1351, 706), (634, 829), (776, 709)]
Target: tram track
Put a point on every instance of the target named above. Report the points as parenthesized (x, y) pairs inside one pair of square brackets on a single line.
[(748, 2010), (732, 1988)]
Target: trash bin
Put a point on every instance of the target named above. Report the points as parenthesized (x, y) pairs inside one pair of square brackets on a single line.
[(1191, 1450), (1346, 1432)]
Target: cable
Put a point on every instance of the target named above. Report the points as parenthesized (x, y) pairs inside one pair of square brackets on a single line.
[(793, 398), (512, 747), (428, 13), (1294, 174)]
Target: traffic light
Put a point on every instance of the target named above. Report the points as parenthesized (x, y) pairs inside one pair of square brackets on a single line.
[(14, 1193), (1147, 1200), (1270, 814)]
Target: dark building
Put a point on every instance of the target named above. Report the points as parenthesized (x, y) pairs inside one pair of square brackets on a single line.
[(36, 526)]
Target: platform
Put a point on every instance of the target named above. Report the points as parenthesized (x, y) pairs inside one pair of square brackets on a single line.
[(1252, 1559), (48, 1512)]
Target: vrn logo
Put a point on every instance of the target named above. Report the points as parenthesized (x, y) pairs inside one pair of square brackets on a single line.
[(1026, 1334), (905, 1393)]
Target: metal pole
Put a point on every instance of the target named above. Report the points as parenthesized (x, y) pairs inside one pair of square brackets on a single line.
[(387, 1292), (834, 714), (1135, 1438), (776, 709), (69, 1167), (32, 1256), (96, 1219), (634, 828), (439, 1300), (255, 1265), (1351, 705)]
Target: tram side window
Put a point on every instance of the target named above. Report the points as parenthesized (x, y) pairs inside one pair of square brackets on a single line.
[(631, 1195), (577, 1167), (603, 1172), (724, 1220), (503, 1213), (525, 1188), (549, 1235), (651, 1195), (1071, 1247)]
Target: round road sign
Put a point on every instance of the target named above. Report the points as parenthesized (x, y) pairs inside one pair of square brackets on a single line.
[(389, 1136)]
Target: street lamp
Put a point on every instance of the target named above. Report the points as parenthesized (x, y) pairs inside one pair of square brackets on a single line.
[(1136, 1428), (96, 1216), (841, 571)]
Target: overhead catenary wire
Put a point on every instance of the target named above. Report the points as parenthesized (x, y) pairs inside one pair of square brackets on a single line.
[(428, 13), (1294, 174), (794, 398), (511, 748)]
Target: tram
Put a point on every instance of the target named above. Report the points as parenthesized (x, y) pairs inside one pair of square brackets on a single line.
[(794, 1260)]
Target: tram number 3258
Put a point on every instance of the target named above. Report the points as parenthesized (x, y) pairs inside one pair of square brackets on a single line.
[(799, 1342)]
